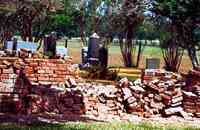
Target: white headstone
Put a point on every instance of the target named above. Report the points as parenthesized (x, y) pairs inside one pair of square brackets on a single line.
[(62, 51), (22, 45)]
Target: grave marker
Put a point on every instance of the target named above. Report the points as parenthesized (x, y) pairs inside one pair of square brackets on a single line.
[(152, 63), (62, 51), (21, 45)]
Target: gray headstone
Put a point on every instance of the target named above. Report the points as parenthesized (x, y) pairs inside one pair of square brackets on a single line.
[(93, 46), (152, 63), (50, 45)]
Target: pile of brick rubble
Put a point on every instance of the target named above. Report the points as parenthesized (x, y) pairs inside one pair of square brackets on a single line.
[(35, 86)]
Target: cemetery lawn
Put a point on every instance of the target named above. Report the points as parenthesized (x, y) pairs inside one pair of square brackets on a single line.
[(116, 60), (95, 126)]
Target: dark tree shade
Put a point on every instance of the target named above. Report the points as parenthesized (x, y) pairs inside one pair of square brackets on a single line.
[(184, 15)]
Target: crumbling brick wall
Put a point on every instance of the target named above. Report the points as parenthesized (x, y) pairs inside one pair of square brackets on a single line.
[(18, 77)]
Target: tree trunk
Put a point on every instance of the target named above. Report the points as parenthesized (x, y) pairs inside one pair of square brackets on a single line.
[(122, 44), (93, 17), (139, 53), (29, 31), (172, 55), (83, 37), (82, 31), (129, 47), (187, 35), (193, 56)]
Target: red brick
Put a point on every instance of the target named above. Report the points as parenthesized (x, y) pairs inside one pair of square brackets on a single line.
[(50, 71), (77, 107), (51, 64), (3, 66), (43, 78), (29, 60), (5, 62), (8, 71), (37, 68), (59, 72), (61, 76), (4, 76), (166, 99), (61, 67), (190, 110), (54, 68), (53, 60), (198, 109), (52, 79), (42, 75), (33, 64), (59, 79), (43, 60), (37, 60), (44, 67), (41, 71), (28, 70), (69, 101), (54, 75), (30, 75), (42, 64), (33, 79)]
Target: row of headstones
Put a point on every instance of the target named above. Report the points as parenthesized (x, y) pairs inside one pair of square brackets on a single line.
[(96, 53), (93, 54), (49, 48)]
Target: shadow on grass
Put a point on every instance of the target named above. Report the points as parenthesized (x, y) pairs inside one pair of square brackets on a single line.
[(13, 123), (92, 126), (42, 127), (43, 119)]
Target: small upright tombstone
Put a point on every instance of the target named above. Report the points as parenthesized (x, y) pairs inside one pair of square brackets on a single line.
[(46, 42), (103, 57), (14, 47), (93, 48), (152, 63), (50, 45)]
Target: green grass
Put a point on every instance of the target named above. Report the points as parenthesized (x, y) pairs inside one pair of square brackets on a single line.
[(114, 49), (76, 45), (95, 126)]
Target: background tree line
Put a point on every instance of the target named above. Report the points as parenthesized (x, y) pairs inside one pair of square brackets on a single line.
[(176, 23)]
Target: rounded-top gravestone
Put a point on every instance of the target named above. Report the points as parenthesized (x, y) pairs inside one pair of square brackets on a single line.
[(93, 46)]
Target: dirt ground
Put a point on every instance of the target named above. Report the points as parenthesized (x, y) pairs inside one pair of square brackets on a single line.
[(115, 59)]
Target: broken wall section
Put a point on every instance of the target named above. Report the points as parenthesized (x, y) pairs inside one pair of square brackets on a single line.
[(191, 103), (20, 78)]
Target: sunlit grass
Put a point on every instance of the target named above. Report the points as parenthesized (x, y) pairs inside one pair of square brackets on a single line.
[(94, 126)]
